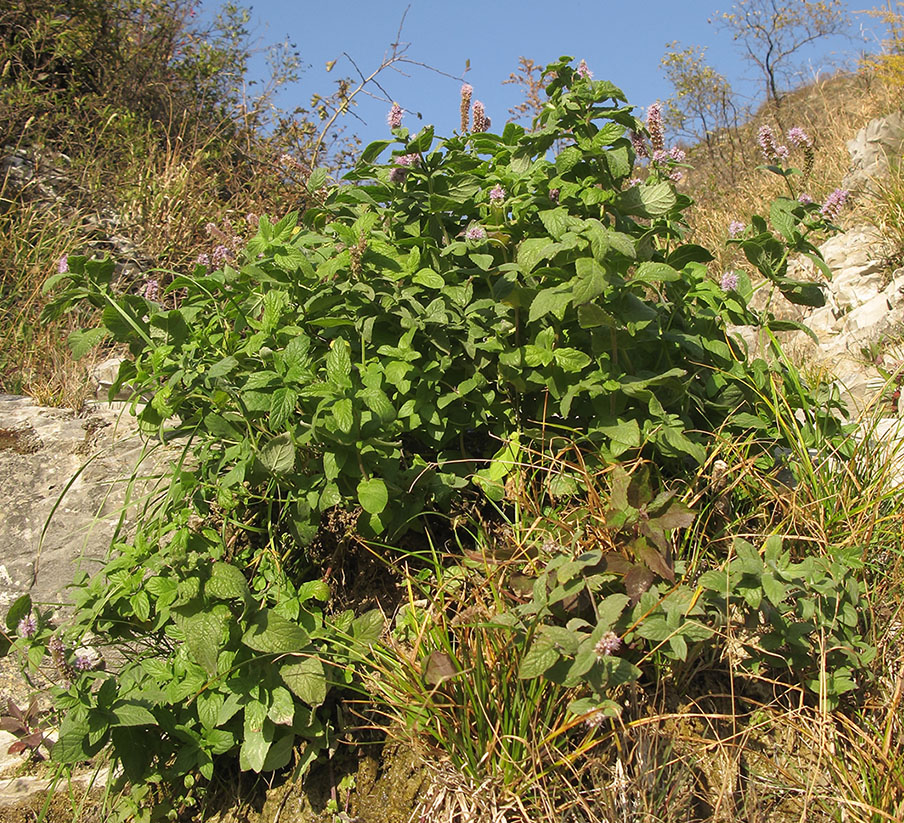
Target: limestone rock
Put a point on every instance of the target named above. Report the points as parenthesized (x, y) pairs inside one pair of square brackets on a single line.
[(875, 145), (64, 482)]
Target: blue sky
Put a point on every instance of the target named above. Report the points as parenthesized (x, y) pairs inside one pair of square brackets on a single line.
[(621, 42)]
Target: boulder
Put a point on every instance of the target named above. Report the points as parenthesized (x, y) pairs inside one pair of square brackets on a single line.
[(875, 146), (67, 483)]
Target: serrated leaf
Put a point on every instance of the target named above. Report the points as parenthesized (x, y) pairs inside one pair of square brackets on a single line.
[(647, 201), (204, 635), (373, 495), (429, 278), (539, 659), (255, 746), (377, 401), (133, 713), (278, 456), (368, 627), (343, 414), (556, 221), (553, 300), (272, 633), (339, 363), (20, 608), (81, 342), (222, 367), (282, 405), (306, 679), (226, 583), (571, 360), (282, 707)]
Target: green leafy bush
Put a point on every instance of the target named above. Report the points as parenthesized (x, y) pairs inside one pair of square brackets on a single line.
[(426, 328), (451, 307)]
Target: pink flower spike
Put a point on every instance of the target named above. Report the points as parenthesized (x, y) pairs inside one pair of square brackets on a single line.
[(394, 117)]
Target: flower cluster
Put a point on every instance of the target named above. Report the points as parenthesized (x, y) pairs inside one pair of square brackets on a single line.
[(394, 118), (735, 227), (497, 194), (481, 121), (400, 172), (771, 149), (607, 645), (583, 71), (834, 204), (655, 127), (228, 244), (476, 233), (467, 90), (152, 290), (27, 627), (729, 281)]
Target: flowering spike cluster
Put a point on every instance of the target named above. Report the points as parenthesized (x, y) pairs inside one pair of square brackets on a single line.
[(497, 194), (28, 625), (768, 145), (554, 195), (394, 118), (729, 281), (466, 91), (58, 655), (798, 138), (834, 204), (640, 147), (481, 121), (583, 71), (63, 265), (152, 290), (227, 245), (655, 127), (805, 199), (607, 645), (476, 233), (735, 227)]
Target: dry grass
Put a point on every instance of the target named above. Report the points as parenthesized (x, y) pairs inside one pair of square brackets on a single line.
[(831, 111)]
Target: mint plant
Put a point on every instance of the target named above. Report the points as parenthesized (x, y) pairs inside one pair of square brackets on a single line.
[(456, 306), (447, 304)]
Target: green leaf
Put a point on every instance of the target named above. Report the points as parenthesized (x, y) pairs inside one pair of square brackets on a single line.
[(72, 745), (339, 363), (278, 456), (280, 753), (534, 249), (373, 495), (133, 713), (226, 583), (81, 342), (317, 178), (222, 367), (429, 278), (539, 659), (556, 221), (571, 360), (367, 628), (647, 201), (377, 401), (344, 414), (20, 608), (306, 679), (272, 633), (282, 404), (254, 749), (655, 273), (553, 300), (204, 635)]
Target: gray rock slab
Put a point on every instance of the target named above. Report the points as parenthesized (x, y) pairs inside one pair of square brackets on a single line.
[(64, 482)]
